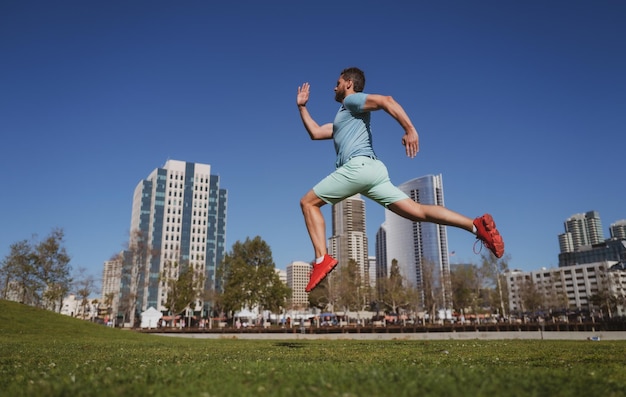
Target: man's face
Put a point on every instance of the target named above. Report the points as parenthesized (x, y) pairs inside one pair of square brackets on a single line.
[(340, 89)]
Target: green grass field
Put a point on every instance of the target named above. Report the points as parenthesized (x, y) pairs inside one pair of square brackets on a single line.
[(46, 354)]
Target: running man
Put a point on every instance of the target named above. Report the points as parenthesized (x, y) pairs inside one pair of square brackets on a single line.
[(358, 170)]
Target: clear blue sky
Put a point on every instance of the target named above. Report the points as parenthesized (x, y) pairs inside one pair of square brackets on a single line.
[(520, 105)]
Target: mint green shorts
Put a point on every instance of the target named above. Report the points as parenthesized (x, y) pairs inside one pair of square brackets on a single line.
[(363, 175)]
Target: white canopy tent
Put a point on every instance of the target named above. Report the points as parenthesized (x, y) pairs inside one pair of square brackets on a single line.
[(150, 318), (245, 313)]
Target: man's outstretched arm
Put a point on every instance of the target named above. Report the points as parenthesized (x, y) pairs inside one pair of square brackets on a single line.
[(315, 130), (410, 140)]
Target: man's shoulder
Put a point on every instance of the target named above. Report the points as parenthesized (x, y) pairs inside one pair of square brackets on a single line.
[(354, 102), (356, 97)]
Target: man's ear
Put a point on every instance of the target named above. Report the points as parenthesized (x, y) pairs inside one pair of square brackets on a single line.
[(349, 84)]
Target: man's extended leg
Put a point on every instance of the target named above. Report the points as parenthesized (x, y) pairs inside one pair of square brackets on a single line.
[(483, 227), (417, 212)]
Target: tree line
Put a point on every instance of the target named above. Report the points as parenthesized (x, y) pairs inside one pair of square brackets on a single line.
[(469, 289), (38, 273)]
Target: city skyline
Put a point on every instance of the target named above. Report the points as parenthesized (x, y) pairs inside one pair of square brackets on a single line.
[(518, 106)]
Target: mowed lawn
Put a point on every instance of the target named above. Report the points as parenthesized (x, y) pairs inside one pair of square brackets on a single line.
[(46, 354)]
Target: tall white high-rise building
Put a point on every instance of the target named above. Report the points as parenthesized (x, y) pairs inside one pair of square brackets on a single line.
[(349, 239), (112, 280), (178, 223), (618, 229), (581, 230), (417, 244)]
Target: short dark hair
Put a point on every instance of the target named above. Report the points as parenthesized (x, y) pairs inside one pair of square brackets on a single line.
[(355, 75)]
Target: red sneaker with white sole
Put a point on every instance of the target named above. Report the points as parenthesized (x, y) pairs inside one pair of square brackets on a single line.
[(320, 271), (487, 233)]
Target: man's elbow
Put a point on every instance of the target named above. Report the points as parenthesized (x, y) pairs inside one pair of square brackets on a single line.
[(388, 101), (384, 102)]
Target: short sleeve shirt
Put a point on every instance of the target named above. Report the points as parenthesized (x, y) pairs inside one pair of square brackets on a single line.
[(351, 130)]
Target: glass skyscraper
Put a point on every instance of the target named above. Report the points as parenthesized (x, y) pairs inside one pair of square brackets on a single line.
[(417, 244)]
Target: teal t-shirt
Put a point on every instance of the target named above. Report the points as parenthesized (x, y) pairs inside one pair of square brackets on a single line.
[(351, 130)]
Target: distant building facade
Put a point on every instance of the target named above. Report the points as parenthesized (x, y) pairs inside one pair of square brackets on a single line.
[(416, 245), (583, 241), (570, 287), (178, 223), (618, 230), (112, 282), (349, 239), (581, 230), (297, 279)]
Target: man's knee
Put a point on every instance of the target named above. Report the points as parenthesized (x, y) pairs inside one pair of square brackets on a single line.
[(311, 200)]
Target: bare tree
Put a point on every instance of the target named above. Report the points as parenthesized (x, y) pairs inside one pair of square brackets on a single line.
[(140, 254), (348, 285), (21, 281), (530, 296), (52, 262), (431, 290), (183, 292), (37, 273), (494, 269), (108, 303), (465, 287), (556, 296), (605, 299), (84, 287), (395, 291)]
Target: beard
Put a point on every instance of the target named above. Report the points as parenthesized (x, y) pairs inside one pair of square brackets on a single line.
[(340, 96)]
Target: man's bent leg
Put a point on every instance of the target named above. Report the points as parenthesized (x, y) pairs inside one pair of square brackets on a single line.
[(314, 219)]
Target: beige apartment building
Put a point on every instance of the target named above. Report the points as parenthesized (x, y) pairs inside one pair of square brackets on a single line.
[(569, 287)]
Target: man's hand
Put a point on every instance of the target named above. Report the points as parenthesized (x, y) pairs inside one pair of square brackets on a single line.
[(410, 140), (303, 95)]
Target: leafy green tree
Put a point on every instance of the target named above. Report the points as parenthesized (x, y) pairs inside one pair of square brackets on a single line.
[(184, 291), (250, 279), (465, 287), (321, 295)]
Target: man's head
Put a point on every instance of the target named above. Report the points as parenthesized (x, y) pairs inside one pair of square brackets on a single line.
[(350, 80), (357, 77)]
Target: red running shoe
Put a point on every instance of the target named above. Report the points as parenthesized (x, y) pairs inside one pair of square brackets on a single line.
[(320, 272), (487, 233)]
